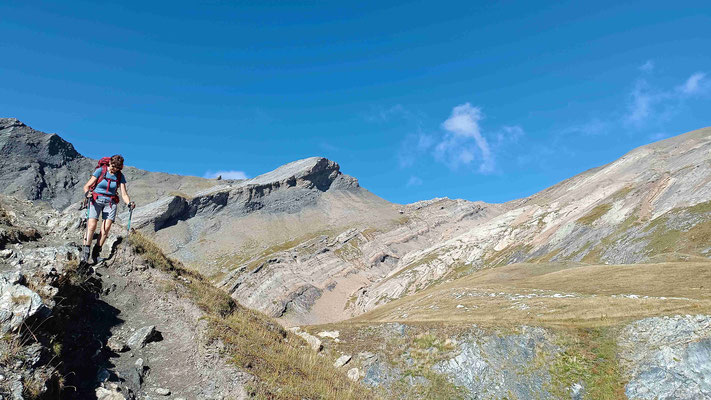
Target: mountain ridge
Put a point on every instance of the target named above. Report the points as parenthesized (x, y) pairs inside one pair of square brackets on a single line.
[(315, 236)]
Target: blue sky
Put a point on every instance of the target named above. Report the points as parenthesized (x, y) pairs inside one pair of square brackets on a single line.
[(416, 99)]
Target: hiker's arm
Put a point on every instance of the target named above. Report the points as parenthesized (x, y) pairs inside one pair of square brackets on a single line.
[(89, 184), (124, 194)]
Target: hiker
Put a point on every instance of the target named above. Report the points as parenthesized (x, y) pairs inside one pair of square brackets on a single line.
[(101, 193)]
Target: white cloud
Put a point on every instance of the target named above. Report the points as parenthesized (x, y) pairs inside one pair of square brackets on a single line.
[(463, 142), (641, 102), (464, 120), (695, 84), (226, 175), (651, 105), (414, 181)]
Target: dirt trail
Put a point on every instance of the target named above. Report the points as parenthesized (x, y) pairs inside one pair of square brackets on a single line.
[(182, 361)]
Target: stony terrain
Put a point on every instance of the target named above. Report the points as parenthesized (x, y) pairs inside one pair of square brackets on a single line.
[(111, 332)]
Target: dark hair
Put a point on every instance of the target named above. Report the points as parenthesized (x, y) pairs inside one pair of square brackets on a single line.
[(117, 161)]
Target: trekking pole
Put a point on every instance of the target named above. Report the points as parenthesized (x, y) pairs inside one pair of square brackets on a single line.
[(130, 213), (87, 203)]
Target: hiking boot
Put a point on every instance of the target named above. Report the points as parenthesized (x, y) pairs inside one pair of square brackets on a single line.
[(95, 253), (84, 258)]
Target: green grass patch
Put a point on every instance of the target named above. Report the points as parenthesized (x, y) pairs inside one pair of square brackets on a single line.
[(589, 358), (701, 208)]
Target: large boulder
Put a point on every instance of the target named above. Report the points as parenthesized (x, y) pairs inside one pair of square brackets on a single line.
[(17, 304)]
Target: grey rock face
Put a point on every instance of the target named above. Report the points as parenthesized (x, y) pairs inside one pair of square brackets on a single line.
[(37, 166), (668, 358), (305, 179), (496, 366), (17, 304)]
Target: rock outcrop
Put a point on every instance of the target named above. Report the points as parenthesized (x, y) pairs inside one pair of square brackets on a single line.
[(668, 358), (499, 366)]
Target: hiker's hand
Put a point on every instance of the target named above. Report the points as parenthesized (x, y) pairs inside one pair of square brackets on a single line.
[(131, 205), (88, 194)]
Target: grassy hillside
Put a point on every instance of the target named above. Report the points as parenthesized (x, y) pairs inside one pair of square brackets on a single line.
[(555, 294)]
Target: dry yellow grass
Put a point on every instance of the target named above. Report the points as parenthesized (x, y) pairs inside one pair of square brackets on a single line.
[(552, 294)]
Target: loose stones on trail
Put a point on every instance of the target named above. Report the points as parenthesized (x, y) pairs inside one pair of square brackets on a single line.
[(143, 336)]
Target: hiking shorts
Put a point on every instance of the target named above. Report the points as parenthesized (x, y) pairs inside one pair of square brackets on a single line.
[(104, 206)]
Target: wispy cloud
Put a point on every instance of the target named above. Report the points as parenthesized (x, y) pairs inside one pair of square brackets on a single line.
[(327, 146), (697, 83), (414, 181), (508, 135), (642, 99), (459, 143), (649, 105), (226, 175), (463, 141)]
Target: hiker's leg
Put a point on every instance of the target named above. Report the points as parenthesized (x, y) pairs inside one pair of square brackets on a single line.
[(90, 229), (105, 226), (92, 220)]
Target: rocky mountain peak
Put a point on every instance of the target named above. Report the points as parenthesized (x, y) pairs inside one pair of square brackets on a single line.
[(20, 143), (10, 122), (319, 171)]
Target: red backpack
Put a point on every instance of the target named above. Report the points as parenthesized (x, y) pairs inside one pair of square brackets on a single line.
[(104, 165)]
